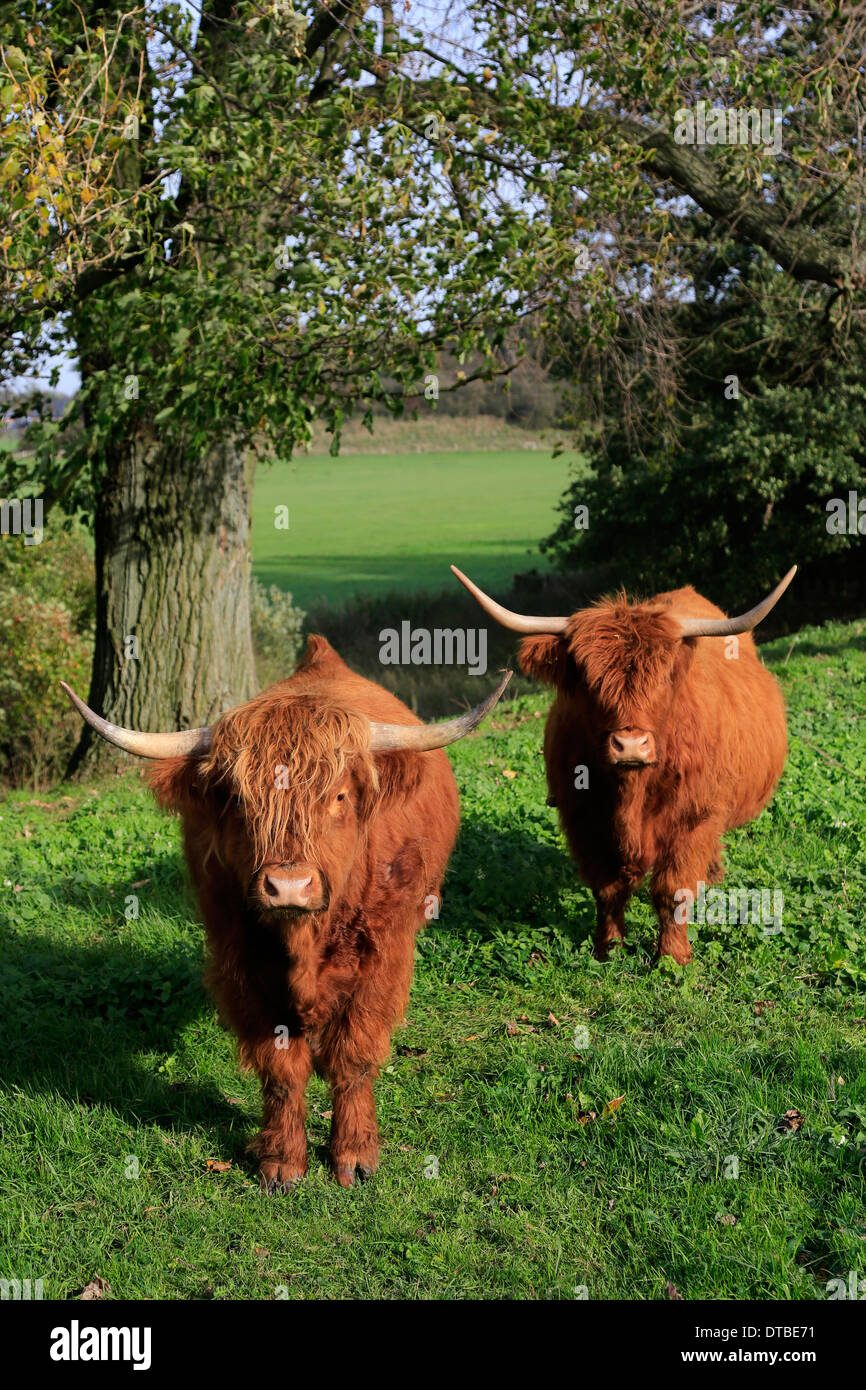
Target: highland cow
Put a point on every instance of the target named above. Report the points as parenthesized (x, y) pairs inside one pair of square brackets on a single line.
[(666, 730), (317, 822)]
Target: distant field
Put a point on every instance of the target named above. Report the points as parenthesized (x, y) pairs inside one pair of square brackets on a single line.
[(375, 524)]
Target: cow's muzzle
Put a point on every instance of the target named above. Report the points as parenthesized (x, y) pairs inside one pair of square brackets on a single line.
[(631, 748), (289, 887)]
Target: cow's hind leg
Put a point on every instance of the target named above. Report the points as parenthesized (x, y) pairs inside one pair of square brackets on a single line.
[(284, 1066)]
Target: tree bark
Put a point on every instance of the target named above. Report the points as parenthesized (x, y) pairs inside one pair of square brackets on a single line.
[(173, 646)]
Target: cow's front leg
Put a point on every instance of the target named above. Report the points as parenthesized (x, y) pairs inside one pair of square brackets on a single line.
[(674, 887), (284, 1066), (354, 1046), (610, 904), (354, 1131)]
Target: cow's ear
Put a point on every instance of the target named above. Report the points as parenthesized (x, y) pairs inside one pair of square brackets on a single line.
[(544, 659), (318, 652), (175, 782), (397, 777)]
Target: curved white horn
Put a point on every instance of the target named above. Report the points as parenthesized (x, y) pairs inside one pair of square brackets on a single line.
[(729, 627), (388, 738), (516, 622), (143, 745)]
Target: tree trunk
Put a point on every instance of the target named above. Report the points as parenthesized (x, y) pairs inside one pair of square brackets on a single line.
[(173, 646)]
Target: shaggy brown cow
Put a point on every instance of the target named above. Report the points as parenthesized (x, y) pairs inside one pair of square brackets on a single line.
[(318, 820), (661, 737)]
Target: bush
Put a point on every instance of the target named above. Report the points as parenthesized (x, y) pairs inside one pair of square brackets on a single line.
[(38, 646), (59, 568), (744, 499), (47, 608), (277, 628)]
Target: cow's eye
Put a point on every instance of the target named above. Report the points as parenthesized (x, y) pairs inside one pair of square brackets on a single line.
[(341, 796)]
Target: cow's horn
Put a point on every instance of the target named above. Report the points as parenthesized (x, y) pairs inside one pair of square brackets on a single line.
[(388, 738), (143, 745), (516, 622), (729, 627)]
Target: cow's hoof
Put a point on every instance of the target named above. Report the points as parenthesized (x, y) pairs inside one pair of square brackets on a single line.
[(277, 1178), (679, 957), (347, 1173), (602, 949)]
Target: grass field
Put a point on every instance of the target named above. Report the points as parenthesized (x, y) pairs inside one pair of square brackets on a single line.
[(388, 524), (602, 1161)]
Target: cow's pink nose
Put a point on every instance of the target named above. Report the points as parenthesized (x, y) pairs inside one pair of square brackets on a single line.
[(289, 887), (631, 746)]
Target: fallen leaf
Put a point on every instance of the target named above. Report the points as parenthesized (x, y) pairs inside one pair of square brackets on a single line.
[(727, 1220), (511, 1029), (585, 1119), (216, 1165), (508, 772), (140, 883), (673, 1292), (553, 1021), (97, 1288), (792, 1119), (612, 1106)]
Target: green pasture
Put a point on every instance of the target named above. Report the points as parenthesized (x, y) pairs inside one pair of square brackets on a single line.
[(378, 524), (552, 1128)]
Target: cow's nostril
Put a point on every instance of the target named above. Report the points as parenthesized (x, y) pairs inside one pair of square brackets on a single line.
[(270, 888)]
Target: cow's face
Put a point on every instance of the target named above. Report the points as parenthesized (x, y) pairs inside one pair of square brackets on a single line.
[(620, 667), (289, 788)]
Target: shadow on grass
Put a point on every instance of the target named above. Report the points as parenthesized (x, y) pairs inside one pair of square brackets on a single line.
[(79, 1020), (86, 1021)]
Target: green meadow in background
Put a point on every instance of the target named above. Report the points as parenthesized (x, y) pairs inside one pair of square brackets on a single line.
[(379, 524)]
